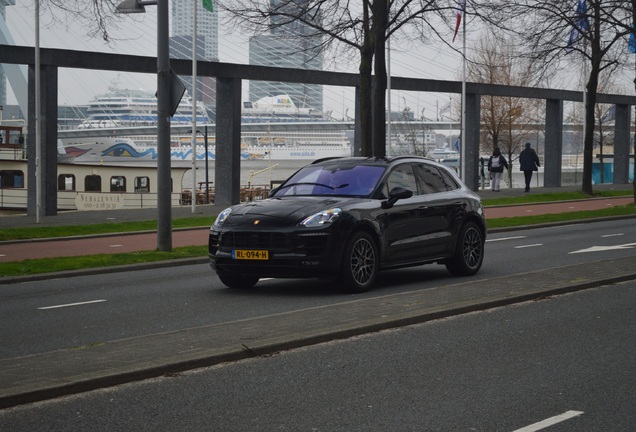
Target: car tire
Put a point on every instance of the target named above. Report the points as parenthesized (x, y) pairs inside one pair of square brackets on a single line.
[(360, 263), (469, 251), (232, 280)]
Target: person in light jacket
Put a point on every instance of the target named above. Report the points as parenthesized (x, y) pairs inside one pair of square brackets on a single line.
[(529, 162), (496, 164)]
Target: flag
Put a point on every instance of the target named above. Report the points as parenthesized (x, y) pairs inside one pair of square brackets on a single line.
[(632, 42), (444, 110), (609, 115), (207, 4), (580, 24), (461, 6)]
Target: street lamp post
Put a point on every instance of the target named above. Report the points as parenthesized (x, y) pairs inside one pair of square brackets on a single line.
[(207, 178), (164, 184)]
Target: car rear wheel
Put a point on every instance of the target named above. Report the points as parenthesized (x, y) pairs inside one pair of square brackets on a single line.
[(360, 263), (469, 252), (235, 281)]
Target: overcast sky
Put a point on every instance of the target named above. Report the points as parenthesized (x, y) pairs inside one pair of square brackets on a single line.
[(137, 35)]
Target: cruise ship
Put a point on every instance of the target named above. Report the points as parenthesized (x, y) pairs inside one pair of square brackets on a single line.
[(127, 108), (278, 131)]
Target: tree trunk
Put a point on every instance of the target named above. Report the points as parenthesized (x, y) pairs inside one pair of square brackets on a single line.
[(366, 58), (588, 140), (378, 37)]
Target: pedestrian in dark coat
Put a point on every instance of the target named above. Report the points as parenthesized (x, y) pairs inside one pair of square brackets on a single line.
[(529, 162)]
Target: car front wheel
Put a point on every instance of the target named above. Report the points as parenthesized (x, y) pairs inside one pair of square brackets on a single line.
[(235, 281), (469, 252), (360, 263)]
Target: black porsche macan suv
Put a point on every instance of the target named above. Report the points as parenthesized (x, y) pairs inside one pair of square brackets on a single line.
[(345, 219)]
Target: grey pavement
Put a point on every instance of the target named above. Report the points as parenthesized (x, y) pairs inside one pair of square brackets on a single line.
[(63, 372), (68, 371)]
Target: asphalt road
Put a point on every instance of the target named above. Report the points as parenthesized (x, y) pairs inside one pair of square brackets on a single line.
[(561, 364), (42, 316)]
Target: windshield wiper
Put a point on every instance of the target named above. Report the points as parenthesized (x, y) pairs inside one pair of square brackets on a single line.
[(315, 184)]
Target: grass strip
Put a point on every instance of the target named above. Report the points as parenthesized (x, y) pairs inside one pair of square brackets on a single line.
[(559, 196), (50, 265), (629, 209), (104, 228)]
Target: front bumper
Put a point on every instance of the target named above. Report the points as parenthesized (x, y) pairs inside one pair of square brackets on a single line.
[(292, 254)]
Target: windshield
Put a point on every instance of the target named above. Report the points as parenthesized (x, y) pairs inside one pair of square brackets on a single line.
[(359, 180)]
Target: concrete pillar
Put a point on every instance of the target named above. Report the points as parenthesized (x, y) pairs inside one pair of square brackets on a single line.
[(227, 166), (357, 138), (621, 144), (553, 152), (48, 127), (471, 141)]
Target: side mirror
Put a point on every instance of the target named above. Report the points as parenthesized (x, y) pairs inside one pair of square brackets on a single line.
[(397, 193)]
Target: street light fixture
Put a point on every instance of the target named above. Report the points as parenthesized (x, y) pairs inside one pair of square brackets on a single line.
[(164, 184)]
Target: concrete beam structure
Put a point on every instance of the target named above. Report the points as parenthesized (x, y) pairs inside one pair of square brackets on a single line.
[(230, 77)]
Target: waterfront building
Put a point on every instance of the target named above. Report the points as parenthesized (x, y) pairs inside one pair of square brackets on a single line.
[(288, 45), (207, 46), (3, 76)]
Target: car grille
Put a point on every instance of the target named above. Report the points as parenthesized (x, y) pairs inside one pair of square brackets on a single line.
[(255, 240), (275, 242)]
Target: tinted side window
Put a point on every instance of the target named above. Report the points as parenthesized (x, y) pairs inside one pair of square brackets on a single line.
[(430, 179), (403, 176), (450, 181)]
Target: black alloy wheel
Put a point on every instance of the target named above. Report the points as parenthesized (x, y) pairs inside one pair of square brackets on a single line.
[(360, 263), (469, 252)]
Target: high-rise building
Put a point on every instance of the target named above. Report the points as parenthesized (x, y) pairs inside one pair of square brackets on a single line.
[(207, 43), (3, 76), (288, 45)]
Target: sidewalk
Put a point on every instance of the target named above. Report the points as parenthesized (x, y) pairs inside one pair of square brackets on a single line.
[(69, 371)]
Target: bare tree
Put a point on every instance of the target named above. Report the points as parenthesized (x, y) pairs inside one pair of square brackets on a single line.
[(555, 31), (362, 27), (506, 121), (96, 16)]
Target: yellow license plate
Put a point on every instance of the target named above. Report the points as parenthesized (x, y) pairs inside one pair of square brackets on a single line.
[(250, 254)]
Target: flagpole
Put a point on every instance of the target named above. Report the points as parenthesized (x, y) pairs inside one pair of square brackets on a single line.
[(38, 114), (194, 106), (462, 140), (388, 97)]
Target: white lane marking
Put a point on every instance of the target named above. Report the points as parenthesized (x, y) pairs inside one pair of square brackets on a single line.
[(605, 248), (114, 246), (612, 235), (2, 255), (529, 246), (505, 238), (550, 421), (71, 304)]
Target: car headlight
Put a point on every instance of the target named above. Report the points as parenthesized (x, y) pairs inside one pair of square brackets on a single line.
[(322, 218), (221, 217)]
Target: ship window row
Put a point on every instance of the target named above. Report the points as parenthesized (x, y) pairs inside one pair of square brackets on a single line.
[(93, 183), (14, 179)]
